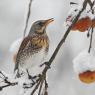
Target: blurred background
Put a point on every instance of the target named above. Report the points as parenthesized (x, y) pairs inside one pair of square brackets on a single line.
[(61, 77)]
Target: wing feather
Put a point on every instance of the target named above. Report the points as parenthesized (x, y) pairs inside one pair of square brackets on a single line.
[(31, 45)]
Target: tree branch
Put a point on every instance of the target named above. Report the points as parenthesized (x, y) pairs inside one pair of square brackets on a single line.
[(92, 28), (28, 16), (6, 81), (90, 46)]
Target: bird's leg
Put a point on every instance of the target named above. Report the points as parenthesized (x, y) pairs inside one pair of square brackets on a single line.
[(31, 82), (18, 74), (31, 77)]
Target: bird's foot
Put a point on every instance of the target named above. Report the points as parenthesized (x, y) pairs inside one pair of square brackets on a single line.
[(30, 82), (33, 78), (18, 74), (28, 85), (46, 64)]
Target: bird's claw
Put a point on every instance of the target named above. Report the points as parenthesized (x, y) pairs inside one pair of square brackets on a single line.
[(28, 85), (33, 78), (46, 64)]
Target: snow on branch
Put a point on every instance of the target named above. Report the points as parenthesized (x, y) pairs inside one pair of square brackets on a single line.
[(84, 61), (4, 78)]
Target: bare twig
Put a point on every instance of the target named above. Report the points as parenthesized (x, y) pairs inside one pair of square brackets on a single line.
[(28, 16), (36, 87), (92, 30), (46, 87), (8, 83), (90, 3), (40, 89), (90, 46)]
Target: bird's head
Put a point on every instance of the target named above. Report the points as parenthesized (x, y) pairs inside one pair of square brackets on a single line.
[(39, 26)]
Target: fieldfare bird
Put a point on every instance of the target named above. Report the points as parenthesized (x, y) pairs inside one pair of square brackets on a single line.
[(33, 48)]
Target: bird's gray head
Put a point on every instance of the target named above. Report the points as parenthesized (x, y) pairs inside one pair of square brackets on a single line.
[(39, 26)]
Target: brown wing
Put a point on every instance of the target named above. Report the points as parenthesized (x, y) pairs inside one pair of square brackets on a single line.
[(31, 45), (22, 47)]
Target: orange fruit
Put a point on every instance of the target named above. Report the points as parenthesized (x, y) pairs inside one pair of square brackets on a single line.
[(87, 77), (82, 24)]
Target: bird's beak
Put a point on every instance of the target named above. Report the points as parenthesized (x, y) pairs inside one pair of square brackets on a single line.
[(48, 21)]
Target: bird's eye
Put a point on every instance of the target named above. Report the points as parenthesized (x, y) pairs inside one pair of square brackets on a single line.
[(40, 23)]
